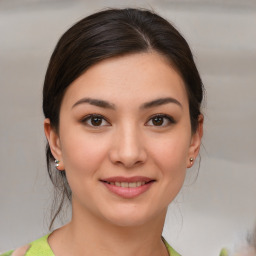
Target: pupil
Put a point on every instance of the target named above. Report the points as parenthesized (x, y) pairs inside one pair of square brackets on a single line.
[(158, 121), (96, 121)]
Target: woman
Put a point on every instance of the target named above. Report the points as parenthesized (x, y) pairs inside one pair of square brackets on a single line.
[(121, 100)]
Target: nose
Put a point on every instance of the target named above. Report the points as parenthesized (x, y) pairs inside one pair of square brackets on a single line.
[(128, 148)]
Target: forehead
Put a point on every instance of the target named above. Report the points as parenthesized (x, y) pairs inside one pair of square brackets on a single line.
[(129, 79)]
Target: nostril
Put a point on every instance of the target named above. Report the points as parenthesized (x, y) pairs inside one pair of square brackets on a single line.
[(127, 153)]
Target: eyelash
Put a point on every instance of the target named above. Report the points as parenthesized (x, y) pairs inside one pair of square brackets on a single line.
[(87, 118), (169, 119)]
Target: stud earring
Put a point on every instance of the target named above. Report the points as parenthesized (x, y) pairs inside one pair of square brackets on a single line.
[(57, 163), (191, 159)]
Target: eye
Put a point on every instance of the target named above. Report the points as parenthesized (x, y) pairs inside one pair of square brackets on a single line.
[(160, 120), (95, 120)]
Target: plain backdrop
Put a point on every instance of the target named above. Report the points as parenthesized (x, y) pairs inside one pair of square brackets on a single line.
[(213, 211)]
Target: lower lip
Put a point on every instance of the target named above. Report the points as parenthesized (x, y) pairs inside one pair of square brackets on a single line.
[(128, 192)]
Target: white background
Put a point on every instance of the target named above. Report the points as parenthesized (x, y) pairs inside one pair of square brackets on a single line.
[(214, 211)]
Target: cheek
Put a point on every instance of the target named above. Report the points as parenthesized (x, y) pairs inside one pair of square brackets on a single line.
[(173, 164), (82, 154), (171, 153), (170, 156), (170, 160)]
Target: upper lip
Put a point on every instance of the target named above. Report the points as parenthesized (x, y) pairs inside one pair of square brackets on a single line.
[(128, 179)]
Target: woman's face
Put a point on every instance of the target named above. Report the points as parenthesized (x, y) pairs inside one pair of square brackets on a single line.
[(125, 138)]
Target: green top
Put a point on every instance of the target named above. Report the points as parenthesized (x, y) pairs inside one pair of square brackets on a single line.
[(171, 251), (224, 252), (40, 247)]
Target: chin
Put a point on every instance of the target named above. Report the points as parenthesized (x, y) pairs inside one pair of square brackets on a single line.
[(132, 218), (128, 221)]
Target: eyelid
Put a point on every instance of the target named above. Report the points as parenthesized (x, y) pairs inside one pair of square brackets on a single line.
[(168, 117), (87, 117)]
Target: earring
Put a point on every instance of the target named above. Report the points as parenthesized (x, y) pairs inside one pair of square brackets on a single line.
[(191, 159), (57, 163)]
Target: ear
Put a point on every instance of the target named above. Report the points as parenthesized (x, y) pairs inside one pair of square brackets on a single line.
[(195, 142), (54, 142)]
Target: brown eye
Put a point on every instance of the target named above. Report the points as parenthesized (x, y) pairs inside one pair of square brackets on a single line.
[(160, 120), (95, 121)]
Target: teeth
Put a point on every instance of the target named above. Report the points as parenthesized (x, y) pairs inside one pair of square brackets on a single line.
[(128, 184), (124, 184), (132, 185), (138, 184)]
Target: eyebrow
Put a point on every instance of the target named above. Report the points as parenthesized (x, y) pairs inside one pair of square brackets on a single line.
[(106, 104), (95, 102), (159, 102)]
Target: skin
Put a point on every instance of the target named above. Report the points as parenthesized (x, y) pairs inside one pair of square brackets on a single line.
[(126, 143)]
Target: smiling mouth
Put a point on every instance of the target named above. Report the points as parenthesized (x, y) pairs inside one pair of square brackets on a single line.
[(128, 187), (128, 184)]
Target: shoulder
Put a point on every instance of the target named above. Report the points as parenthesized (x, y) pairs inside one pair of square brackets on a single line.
[(17, 252), (39, 247)]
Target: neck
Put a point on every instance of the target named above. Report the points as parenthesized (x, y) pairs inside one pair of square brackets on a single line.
[(88, 234)]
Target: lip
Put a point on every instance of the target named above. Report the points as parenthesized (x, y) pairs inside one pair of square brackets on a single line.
[(127, 179), (128, 192)]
